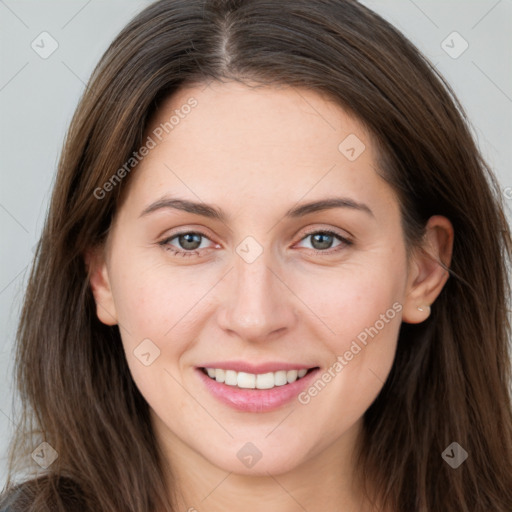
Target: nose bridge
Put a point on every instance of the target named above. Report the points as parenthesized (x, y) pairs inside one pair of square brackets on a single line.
[(253, 280), (257, 304)]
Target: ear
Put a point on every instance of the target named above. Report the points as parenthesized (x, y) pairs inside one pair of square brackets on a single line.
[(96, 265), (428, 269)]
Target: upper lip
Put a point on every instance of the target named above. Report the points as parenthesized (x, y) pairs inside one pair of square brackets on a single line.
[(244, 366)]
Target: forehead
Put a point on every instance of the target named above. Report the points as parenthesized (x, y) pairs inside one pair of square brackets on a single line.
[(258, 120), (237, 142)]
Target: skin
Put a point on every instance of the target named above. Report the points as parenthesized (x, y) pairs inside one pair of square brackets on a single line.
[(255, 153)]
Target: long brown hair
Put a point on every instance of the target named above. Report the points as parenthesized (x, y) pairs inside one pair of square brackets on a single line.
[(450, 379)]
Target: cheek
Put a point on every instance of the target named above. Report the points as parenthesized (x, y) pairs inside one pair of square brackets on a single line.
[(354, 297), (360, 309), (151, 301), (158, 322), (160, 312)]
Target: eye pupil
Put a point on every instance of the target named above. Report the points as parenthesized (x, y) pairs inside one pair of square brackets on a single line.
[(187, 241), (323, 244)]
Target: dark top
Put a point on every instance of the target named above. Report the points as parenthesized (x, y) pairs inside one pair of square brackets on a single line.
[(20, 498), (7, 502)]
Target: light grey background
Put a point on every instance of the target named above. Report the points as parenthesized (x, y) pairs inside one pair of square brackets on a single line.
[(38, 97)]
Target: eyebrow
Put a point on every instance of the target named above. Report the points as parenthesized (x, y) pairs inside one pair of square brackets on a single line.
[(212, 212)]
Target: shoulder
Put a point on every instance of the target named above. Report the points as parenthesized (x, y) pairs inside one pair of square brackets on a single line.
[(11, 500), (21, 497), (42, 494)]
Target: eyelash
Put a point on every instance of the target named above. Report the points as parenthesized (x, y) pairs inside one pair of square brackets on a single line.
[(165, 243)]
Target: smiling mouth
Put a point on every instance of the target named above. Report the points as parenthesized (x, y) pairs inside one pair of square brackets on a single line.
[(244, 380)]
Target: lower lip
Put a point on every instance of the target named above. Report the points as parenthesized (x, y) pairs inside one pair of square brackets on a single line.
[(256, 400)]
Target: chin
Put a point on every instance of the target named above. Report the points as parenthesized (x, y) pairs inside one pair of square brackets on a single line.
[(258, 457)]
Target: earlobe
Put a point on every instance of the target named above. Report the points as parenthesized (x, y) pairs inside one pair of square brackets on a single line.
[(428, 270), (100, 285)]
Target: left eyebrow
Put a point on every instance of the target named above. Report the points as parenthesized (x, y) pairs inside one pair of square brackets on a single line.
[(327, 204), (210, 211)]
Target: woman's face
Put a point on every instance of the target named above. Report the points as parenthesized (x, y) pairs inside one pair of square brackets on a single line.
[(255, 275)]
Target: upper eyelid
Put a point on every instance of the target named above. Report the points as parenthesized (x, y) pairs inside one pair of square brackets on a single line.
[(310, 232), (337, 231)]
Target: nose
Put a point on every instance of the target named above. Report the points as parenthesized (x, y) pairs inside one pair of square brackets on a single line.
[(257, 302)]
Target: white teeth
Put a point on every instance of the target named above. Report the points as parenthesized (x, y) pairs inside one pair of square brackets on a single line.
[(231, 379), (246, 380), (291, 376), (265, 380), (280, 378)]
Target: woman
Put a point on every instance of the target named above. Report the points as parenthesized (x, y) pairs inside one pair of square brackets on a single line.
[(273, 274)]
